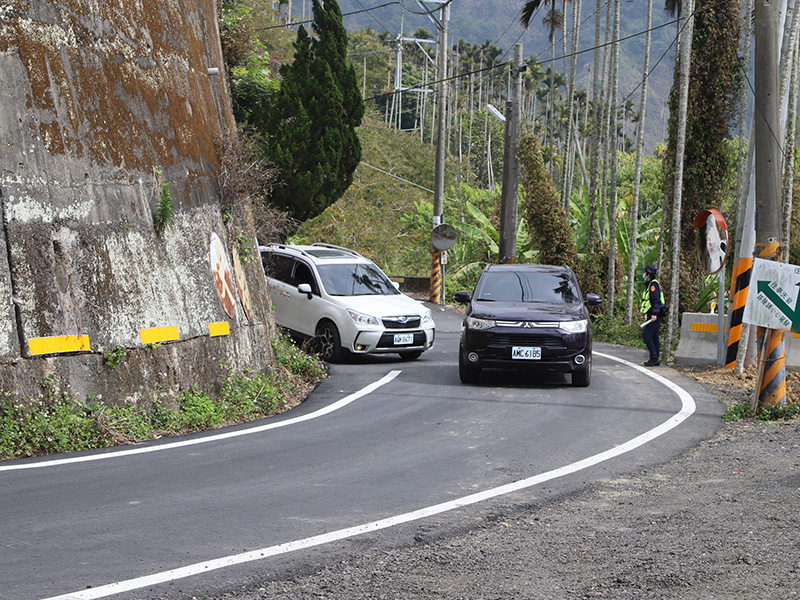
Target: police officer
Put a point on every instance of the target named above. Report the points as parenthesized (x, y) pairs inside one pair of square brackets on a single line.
[(652, 306)]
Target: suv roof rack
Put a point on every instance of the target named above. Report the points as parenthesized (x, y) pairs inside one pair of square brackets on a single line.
[(342, 248)]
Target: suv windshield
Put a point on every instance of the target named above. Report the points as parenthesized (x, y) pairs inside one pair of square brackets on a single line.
[(522, 286), (355, 279)]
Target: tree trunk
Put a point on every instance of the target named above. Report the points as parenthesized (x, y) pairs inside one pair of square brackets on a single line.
[(612, 196), (569, 153), (607, 112), (592, 231), (789, 88), (687, 18), (637, 176)]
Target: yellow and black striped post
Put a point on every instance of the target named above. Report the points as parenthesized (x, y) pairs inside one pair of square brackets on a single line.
[(772, 382), (436, 277), (740, 282), (771, 389)]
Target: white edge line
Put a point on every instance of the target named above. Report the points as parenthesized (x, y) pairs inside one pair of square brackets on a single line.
[(211, 438), (688, 408)]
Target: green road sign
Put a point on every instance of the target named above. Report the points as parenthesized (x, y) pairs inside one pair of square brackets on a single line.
[(774, 301)]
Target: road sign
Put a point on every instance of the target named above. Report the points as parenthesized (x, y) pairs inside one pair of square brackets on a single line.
[(773, 300)]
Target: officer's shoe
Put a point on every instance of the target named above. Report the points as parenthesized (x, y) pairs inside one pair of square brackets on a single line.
[(653, 362)]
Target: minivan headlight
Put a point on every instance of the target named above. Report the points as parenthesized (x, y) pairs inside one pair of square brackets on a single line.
[(480, 324), (574, 326), (361, 318)]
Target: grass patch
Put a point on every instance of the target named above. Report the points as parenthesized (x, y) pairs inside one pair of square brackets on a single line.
[(55, 422), (740, 411)]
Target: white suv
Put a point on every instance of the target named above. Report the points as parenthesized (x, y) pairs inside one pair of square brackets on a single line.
[(344, 302)]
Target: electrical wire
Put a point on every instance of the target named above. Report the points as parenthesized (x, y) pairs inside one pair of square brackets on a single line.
[(757, 105)]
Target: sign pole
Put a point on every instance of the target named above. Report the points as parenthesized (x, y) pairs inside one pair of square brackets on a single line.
[(721, 312)]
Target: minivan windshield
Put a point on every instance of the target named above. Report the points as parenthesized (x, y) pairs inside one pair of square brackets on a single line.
[(355, 279), (527, 286)]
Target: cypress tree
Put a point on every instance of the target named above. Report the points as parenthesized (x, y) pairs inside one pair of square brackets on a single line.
[(313, 120)]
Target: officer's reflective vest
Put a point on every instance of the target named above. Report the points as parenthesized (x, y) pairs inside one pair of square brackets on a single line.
[(644, 307)]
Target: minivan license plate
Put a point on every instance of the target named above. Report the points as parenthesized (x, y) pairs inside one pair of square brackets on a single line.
[(526, 353), (403, 339)]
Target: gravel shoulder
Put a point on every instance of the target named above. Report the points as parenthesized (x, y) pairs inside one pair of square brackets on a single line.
[(720, 521)]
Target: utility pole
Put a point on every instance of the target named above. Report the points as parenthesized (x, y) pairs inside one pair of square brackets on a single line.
[(771, 387), (437, 278), (441, 116), (508, 202)]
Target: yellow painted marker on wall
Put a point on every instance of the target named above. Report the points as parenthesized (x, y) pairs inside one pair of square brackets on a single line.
[(159, 334), (59, 343), (219, 328)]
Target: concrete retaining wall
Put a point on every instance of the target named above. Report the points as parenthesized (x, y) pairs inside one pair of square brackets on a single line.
[(698, 341), (95, 99)]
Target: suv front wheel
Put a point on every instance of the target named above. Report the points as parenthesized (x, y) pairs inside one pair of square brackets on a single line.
[(329, 344), (466, 373), (583, 378)]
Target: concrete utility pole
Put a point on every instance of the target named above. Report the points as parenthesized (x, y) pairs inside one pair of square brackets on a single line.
[(771, 388), (437, 277), (767, 124), (508, 203), (441, 117)]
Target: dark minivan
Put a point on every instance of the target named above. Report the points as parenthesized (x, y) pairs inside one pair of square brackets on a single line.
[(526, 317)]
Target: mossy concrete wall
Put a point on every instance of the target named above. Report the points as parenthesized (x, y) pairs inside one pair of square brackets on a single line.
[(94, 96)]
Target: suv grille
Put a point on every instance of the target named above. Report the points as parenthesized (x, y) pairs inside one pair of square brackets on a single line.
[(402, 322), (527, 340)]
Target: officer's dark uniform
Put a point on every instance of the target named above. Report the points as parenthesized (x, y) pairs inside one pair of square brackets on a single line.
[(652, 304)]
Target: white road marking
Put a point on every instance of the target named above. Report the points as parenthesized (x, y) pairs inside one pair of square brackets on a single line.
[(211, 438), (687, 409)]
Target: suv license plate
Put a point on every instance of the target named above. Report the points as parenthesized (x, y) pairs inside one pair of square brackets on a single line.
[(403, 339), (526, 353)]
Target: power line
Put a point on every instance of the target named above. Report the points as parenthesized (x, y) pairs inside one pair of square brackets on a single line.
[(757, 105), (355, 12), (358, 12)]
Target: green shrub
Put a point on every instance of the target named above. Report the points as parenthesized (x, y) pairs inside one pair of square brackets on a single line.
[(198, 411), (297, 361), (614, 331), (55, 422), (58, 425), (123, 424), (113, 358)]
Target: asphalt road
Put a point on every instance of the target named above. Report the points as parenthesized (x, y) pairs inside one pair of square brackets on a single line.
[(420, 439)]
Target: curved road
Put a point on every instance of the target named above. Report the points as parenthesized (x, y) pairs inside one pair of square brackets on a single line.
[(349, 460)]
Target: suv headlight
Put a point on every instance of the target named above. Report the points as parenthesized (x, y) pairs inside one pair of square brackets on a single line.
[(479, 324), (427, 319), (361, 318), (574, 326)]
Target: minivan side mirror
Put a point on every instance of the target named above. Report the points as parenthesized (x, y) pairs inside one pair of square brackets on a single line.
[(593, 299), (305, 288), (462, 297)]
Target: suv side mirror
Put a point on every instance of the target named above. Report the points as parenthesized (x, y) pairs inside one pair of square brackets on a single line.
[(462, 297), (305, 288), (593, 299)]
